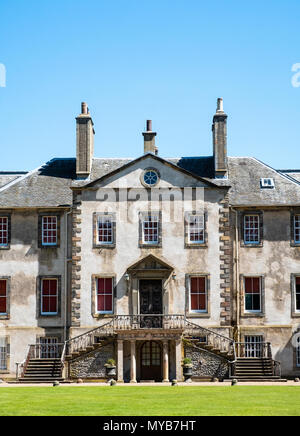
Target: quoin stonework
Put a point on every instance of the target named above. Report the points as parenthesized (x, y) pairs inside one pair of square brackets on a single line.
[(148, 261)]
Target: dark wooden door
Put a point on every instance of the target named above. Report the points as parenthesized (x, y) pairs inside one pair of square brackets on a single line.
[(151, 303), (151, 362)]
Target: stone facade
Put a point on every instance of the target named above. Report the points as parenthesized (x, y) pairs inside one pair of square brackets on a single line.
[(79, 191)]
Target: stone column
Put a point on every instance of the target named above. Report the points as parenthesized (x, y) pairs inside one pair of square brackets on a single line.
[(133, 362), (120, 361), (178, 354), (166, 361)]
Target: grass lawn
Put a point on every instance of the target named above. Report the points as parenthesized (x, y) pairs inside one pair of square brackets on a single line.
[(150, 401)]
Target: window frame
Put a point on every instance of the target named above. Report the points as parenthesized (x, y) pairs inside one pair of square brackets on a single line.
[(246, 293), (96, 242), (294, 293), (53, 217), (95, 281), (298, 353), (6, 354), (252, 313), (6, 315), (5, 297), (142, 220), (295, 241), (195, 244), (260, 216), (194, 313), (43, 279), (41, 217), (8, 218)]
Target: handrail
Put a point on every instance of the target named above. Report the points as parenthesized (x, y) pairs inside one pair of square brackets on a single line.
[(217, 340), (257, 349), (74, 345)]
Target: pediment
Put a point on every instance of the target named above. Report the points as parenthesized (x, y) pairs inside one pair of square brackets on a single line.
[(130, 175), (150, 263)]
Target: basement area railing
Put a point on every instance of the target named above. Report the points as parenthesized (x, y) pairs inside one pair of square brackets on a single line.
[(259, 350)]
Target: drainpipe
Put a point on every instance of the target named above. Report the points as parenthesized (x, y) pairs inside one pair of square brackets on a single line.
[(237, 279), (67, 260)]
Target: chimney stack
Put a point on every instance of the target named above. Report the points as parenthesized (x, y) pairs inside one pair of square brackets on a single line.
[(149, 139), (219, 129), (84, 142)]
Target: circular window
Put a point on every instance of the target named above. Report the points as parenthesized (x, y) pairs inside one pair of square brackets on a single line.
[(151, 177)]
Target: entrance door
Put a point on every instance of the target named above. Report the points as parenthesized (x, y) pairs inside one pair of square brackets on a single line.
[(151, 362), (151, 303)]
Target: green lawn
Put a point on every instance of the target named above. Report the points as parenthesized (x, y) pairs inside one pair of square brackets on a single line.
[(150, 401)]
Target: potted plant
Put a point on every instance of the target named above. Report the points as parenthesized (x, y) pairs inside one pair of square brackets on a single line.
[(187, 369), (111, 368)]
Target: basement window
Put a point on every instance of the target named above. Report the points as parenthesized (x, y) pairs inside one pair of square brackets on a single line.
[(267, 183)]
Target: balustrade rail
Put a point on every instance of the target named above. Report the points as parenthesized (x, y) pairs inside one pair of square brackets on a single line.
[(149, 321), (259, 350), (213, 340), (85, 340)]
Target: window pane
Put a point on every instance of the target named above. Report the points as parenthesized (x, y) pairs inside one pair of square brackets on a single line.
[(49, 230), (3, 231), (253, 294), (105, 295), (251, 229), (198, 295), (105, 230), (3, 297), (49, 296)]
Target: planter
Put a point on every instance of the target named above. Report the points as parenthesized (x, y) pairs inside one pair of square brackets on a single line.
[(111, 371), (188, 373)]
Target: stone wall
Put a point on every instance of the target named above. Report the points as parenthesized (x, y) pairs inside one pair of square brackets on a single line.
[(206, 365), (92, 365)]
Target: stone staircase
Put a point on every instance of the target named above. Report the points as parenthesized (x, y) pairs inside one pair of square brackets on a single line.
[(210, 341), (255, 369), (42, 371)]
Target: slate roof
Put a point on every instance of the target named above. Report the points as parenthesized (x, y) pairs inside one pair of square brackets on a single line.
[(49, 185)]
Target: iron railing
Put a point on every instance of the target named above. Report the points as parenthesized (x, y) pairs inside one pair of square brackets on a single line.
[(149, 321), (214, 341), (261, 350), (81, 342)]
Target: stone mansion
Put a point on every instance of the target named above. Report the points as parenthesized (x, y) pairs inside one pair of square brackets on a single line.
[(147, 261)]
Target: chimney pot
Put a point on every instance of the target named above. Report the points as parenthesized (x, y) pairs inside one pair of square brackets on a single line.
[(149, 125), (84, 108), (220, 107)]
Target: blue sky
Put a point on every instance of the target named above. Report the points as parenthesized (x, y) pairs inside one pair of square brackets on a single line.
[(133, 60)]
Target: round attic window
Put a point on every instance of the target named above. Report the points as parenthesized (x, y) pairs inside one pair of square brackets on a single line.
[(150, 177)]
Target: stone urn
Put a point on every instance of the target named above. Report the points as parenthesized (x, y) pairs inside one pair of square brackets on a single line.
[(111, 369), (187, 370)]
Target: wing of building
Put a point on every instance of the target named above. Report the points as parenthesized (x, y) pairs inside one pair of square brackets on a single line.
[(123, 268)]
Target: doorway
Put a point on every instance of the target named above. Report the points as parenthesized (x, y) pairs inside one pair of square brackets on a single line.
[(151, 303), (151, 361)]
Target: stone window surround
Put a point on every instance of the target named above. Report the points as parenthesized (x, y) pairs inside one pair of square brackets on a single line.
[(40, 229), (6, 316), (189, 244), (96, 243), (7, 341), (8, 216), (189, 313), (296, 367), (261, 228), (244, 313), (295, 312), (142, 216), (294, 212), (39, 313), (94, 312)]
